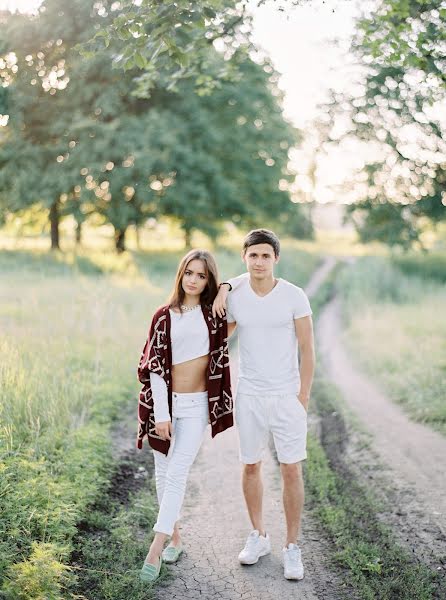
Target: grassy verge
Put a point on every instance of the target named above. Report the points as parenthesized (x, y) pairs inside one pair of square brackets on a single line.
[(112, 539), (375, 566), (425, 266), (72, 329), (396, 330)]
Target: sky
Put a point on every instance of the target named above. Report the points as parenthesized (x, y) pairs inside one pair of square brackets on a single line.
[(22, 5), (300, 44)]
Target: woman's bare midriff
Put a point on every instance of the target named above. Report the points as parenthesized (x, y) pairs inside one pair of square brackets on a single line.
[(190, 376)]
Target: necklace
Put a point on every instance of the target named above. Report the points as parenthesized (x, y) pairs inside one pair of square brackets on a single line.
[(189, 308)]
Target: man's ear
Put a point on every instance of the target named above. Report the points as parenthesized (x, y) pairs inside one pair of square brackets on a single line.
[(277, 259), (243, 254)]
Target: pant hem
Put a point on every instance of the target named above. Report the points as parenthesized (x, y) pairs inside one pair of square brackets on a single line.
[(293, 460), (157, 529)]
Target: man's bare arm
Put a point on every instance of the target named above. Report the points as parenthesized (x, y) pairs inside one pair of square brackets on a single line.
[(305, 340), (220, 303), (219, 306)]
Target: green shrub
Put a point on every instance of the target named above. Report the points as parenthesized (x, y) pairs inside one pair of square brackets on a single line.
[(40, 577)]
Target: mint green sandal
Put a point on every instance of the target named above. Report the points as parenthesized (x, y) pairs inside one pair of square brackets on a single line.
[(171, 554), (150, 573)]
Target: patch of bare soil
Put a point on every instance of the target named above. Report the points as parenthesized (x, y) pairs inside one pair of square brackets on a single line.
[(133, 466)]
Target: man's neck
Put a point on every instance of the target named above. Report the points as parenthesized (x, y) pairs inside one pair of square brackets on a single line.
[(262, 287)]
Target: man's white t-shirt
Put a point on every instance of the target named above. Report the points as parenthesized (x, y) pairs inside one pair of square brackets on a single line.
[(267, 336)]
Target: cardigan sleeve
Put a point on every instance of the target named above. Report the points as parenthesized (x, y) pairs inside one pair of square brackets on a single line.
[(150, 362)]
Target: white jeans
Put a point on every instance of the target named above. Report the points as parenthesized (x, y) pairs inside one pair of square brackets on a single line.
[(190, 414)]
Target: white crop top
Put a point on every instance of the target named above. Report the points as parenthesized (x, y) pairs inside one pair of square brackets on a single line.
[(189, 337)]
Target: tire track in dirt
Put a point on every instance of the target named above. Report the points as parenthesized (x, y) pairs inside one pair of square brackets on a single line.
[(406, 461)]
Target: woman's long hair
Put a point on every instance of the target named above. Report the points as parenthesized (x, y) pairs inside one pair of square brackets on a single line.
[(209, 293)]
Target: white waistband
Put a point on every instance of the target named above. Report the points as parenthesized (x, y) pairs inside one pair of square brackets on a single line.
[(190, 395)]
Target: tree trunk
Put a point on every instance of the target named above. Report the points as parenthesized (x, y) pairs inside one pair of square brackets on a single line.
[(187, 237), (120, 239), (54, 222), (137, 237), (78, 233)]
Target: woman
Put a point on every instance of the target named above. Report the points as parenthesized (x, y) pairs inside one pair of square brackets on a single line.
[(184, 369)]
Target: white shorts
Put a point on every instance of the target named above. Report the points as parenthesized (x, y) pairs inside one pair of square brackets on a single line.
[(281, 415)]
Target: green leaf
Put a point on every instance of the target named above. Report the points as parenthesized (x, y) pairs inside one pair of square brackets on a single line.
[(140, 61), (129, 64), (182, 59)]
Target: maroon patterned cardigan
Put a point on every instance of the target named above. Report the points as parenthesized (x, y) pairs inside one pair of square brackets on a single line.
[(157, 357)]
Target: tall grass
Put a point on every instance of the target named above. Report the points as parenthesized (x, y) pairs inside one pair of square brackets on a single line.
[(67, 362), (426, 266), (72, 329), (396, 328)]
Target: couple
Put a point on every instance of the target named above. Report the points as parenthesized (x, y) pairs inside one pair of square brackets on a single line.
[(184, 369)]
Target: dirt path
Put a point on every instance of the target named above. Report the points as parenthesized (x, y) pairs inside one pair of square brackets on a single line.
[(215, 524), (407, 460), (320, 275)]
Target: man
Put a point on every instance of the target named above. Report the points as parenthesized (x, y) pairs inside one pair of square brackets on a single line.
[(273, 320)]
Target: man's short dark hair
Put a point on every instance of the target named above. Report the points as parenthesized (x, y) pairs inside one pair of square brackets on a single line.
[(262, 236)]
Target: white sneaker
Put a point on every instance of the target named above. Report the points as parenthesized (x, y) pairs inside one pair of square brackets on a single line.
[(292, 560), (256, 546)]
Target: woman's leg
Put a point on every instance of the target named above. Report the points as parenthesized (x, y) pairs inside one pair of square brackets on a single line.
[(188, 438), (156, 548), (161, 462)]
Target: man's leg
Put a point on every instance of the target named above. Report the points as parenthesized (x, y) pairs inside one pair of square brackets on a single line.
[(293, 499), (253, 435), (258, 543), (253, 492), (290, 432), (289, 427)]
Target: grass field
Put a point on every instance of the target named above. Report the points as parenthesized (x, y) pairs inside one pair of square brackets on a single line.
[(396, 329), (72, 329)]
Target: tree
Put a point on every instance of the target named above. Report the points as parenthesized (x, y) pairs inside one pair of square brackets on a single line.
[(409, 35), (57, 102), (199, 158), (171, 40), (230, 151), (202, 160), (396, 108)]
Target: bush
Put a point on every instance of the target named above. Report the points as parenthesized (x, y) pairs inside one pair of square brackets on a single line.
[(41, 577)]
